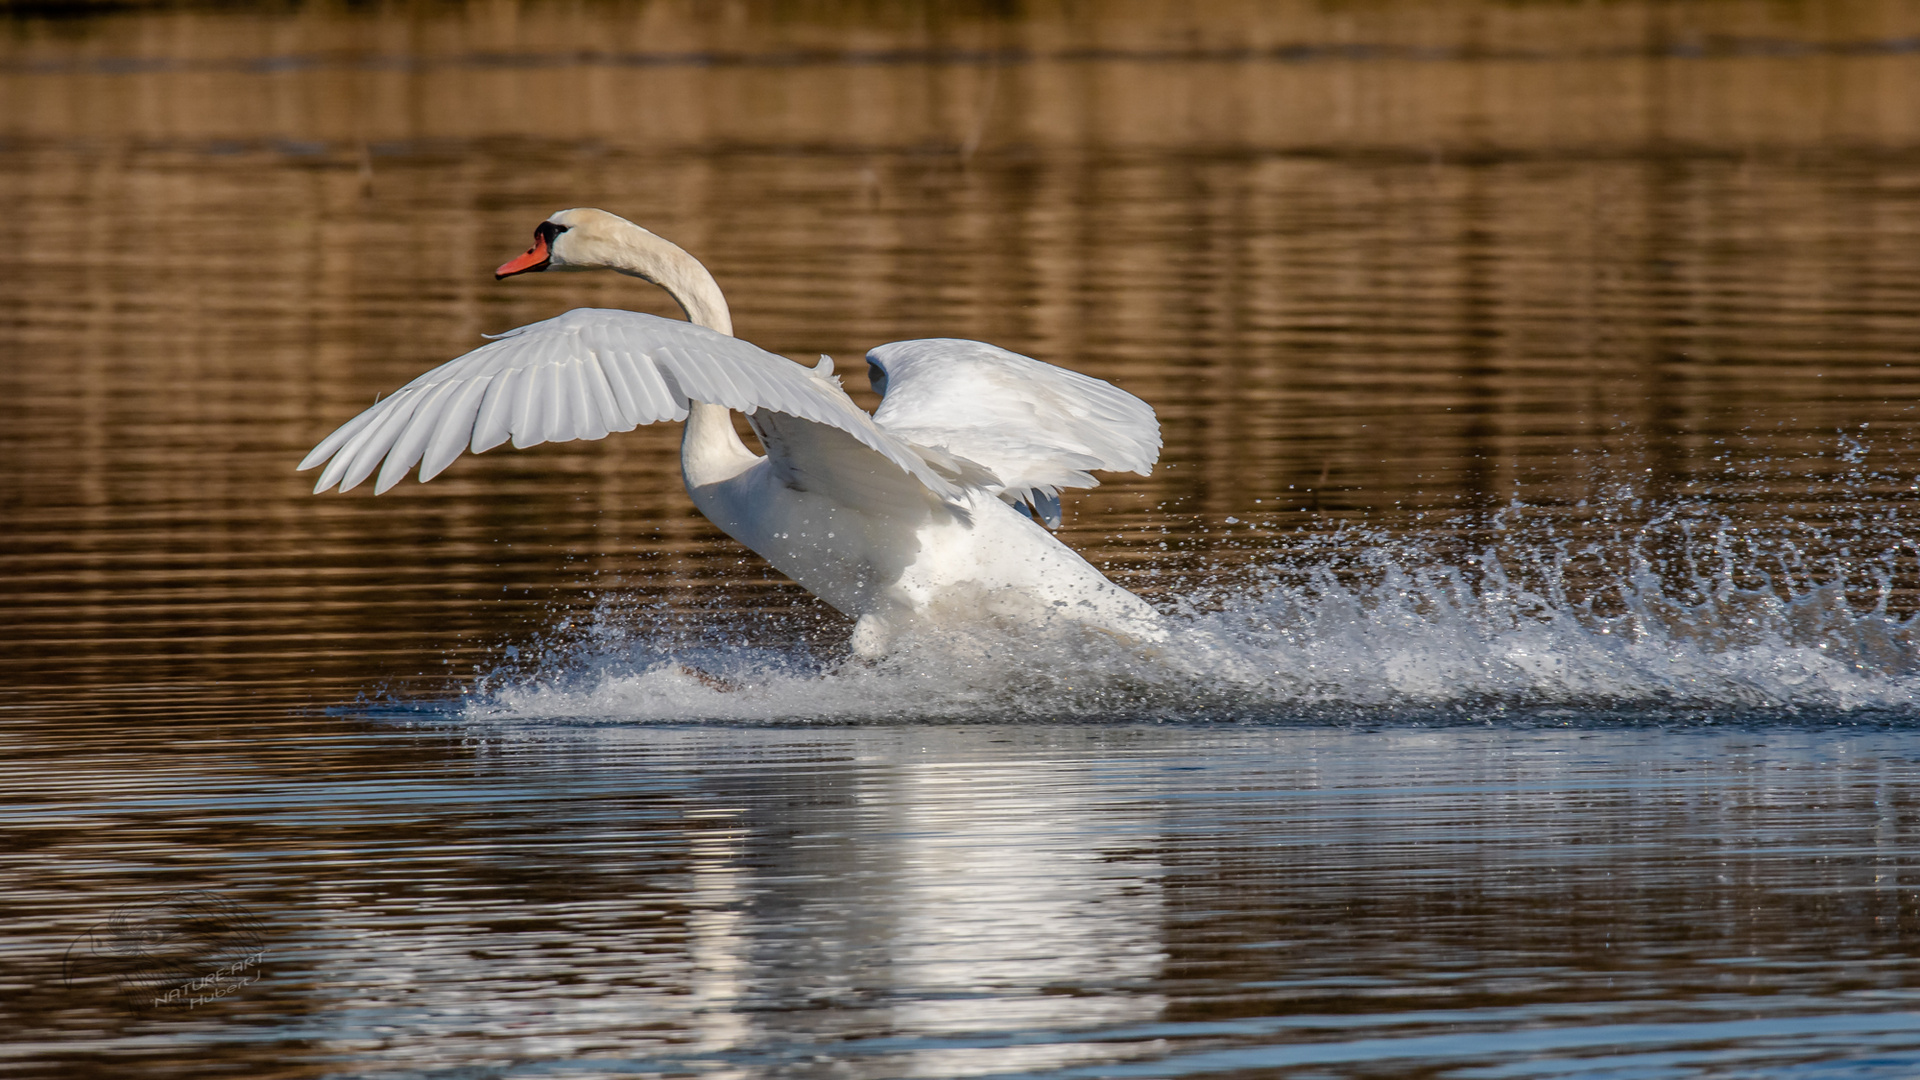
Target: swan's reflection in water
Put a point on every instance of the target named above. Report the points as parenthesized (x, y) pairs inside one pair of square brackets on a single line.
[(1007, 917), (712, 898), (720, 938)]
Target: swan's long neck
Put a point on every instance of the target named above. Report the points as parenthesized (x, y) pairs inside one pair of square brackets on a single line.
[(667, 265), (710, 450)]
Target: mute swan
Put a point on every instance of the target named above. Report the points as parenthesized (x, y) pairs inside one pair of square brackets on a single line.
[(903, 519)]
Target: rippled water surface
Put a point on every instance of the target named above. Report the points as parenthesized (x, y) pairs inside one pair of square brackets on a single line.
[(1536, 514)]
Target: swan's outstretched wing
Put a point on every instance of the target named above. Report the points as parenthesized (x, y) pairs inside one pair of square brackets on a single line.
[(580, 376), (1037, 427)]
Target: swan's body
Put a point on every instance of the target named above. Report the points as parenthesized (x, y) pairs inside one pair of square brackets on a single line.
[(904, 519)]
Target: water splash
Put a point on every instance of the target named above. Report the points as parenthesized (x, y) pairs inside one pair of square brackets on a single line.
[(1532, 609)]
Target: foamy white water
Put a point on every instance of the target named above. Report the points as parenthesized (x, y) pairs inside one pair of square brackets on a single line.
[(1684, 610)]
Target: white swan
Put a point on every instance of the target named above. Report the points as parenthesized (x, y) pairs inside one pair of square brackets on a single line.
[(902, 519)]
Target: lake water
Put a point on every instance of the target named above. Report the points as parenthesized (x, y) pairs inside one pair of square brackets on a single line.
[(1537, 512)]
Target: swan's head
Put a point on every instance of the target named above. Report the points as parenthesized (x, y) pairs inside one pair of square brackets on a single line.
[(589, 239), (582, 239)]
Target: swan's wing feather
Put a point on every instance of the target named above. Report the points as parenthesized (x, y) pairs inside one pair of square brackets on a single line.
[(601, 387), (1038, 427), (356, 459), (648, 398), (411, 442), (526, 421), (455, 427), (579, 376), (332, 443), (809, 456), (494, 425)]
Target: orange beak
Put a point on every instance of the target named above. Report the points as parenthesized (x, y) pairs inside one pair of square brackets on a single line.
[(536, 258)]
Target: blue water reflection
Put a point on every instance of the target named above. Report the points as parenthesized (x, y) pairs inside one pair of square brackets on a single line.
[(1057, 901)]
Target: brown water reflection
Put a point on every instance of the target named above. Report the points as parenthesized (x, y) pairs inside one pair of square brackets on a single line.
[(1361, 260), (1390, 265)]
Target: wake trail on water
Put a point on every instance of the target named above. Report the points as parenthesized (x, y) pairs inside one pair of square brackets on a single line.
[(1683, 610)]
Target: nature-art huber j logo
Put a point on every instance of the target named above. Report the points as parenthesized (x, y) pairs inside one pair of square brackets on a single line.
[(177, 954)]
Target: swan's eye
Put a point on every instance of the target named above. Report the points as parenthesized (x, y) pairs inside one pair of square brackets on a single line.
[(877, 377), (547, 230)]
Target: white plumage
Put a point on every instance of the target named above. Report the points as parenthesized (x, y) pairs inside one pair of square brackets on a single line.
[(903, 518), (582, 375), (1038, 428)]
